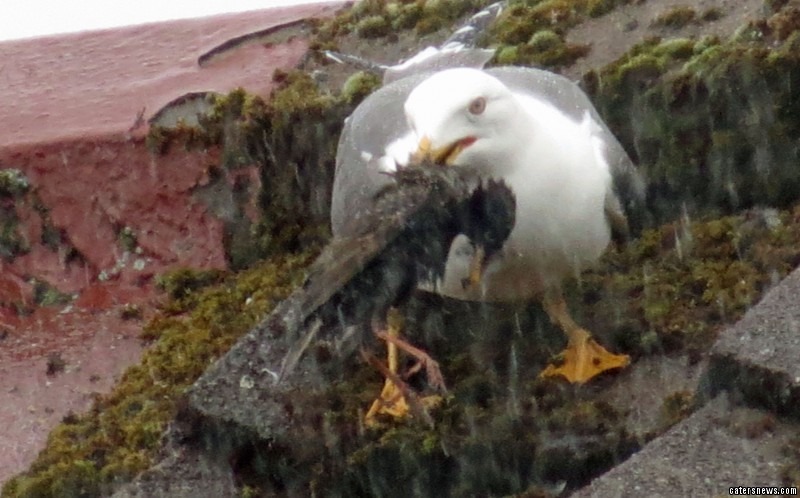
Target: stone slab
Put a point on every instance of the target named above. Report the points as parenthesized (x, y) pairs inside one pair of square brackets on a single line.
[(758, 359), (720, 446), (751, 388), (188, 473)]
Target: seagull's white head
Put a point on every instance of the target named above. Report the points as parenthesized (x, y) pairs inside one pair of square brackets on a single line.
[(464, 117)]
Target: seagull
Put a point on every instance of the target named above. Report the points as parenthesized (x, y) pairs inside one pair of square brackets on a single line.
[(535, 131), (540, 134)]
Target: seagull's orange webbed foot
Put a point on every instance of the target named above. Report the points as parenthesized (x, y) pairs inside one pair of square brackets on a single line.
[(397, 400), (583, 358)]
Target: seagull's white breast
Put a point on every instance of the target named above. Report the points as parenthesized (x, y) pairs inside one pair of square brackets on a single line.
[(560, 178)]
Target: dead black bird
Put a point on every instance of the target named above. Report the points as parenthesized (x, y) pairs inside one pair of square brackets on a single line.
[(402, 241)]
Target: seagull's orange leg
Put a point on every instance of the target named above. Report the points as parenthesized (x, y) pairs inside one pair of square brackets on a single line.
[(397, 399), (583, 357)]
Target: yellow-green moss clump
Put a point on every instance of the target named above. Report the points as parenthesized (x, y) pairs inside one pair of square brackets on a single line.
[(11, 242), (784, 23), (676, 407), (295, 146), (183, 282), (359, 85), (159, 138), (229, 120), (597, 8), (13, 183), (45, 294), (675, 18), (373, 27), (13, 186), (681, 16), (545, 48), (88, 454)]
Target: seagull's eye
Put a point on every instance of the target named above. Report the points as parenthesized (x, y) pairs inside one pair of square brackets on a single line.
[(477, 106)]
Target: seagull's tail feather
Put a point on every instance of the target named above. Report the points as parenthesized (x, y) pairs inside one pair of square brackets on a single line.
[(355, 61), (433, 59), (630, 188)]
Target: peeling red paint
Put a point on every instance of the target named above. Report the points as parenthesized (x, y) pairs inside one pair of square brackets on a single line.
[(93, 189)]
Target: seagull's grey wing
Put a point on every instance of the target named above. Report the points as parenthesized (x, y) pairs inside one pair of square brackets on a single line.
[(629, 187), (376, 123)]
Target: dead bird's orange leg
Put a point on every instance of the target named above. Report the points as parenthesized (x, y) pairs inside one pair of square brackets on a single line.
[(396, 398)]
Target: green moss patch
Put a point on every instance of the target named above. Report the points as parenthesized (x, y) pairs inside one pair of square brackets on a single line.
[(712, 124), (682, 16), (13, 183), (13, 188), (45, 294), (534, 33)]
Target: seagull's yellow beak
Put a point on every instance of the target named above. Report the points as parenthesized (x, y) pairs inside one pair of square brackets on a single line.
[(445, 155)]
